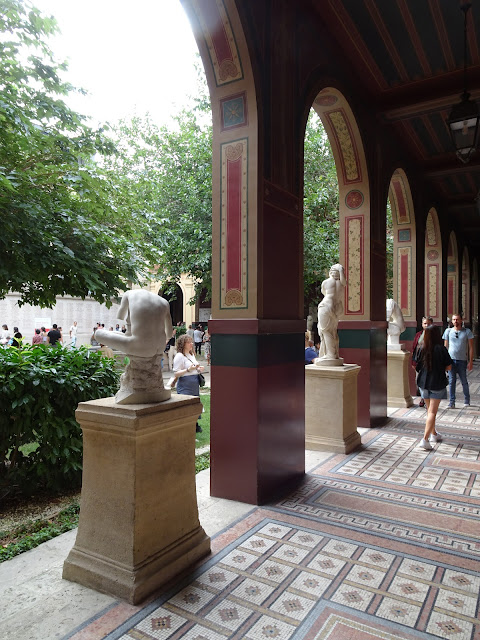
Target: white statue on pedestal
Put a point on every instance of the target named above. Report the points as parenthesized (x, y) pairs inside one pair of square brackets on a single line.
[(329, 311), (396, 325), (148, 321)]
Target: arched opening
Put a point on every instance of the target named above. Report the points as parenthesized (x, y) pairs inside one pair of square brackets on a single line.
[(452, 276), (403, 246), (433, 268), (174, 294), (360, 342), (354, 198)]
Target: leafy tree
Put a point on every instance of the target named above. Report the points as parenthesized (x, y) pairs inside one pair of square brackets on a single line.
[(320, 207), (60, 232), (164, 177)]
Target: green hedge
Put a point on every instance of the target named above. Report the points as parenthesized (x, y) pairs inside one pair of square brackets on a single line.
[(40, 388)]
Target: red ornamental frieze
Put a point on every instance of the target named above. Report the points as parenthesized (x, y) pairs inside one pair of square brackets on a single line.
[(326, 100), (432, 254), (354, 199)]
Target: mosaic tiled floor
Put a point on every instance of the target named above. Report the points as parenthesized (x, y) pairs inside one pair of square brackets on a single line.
[(383, 543)]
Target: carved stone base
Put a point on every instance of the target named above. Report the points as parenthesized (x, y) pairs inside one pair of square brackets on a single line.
[(331, 408), (142, 382), (325, 361), (398, 384), (139, 523)]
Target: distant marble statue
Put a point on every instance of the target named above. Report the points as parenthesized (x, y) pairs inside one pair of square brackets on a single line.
[(309, 323), (396, 325), (329, 311), (148, 322)]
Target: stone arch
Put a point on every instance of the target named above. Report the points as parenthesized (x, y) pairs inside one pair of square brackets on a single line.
[(433, 268), (452, 275), (223, 49), (354, 198), (404, 244), (466, 290)]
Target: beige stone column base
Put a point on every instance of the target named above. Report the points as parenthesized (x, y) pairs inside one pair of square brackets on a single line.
[(331, 408), (398, 386), (139, 523)]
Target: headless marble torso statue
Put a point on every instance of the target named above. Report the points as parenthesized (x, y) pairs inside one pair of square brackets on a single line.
[(148, 322), (396, 325), (329, 311)]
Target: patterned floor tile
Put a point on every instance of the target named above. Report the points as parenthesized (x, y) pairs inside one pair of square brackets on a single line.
[(253, 591), (162, 623), (463, 581), (239, 559), (398, 611), (229, 615), (353, 597), (417, 569), (326, 564), (376, 558), (457, 602), (275, 530), (407, 588), (273, 571), (217, 578), (366, 576), (268, 627), (340, 547), (314, 585), (446, 626), (192, 598), (293, 606), (198, 632), (290, 553)]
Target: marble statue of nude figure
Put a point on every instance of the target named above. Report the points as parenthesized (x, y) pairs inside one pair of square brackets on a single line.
[(148, 321), (329, 311)]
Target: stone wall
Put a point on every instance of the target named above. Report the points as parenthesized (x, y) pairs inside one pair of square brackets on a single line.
[(67, 309)]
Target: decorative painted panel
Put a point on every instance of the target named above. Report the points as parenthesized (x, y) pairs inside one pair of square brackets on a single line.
[(397, 192), (404, 293), (220, 40), (431, 236), (346, 144), (234, 225), (404, 235), (432, 291), (355, 263), (233, 111), (451, 295)]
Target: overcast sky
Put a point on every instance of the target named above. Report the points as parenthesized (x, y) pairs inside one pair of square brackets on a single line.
[(129, 54)]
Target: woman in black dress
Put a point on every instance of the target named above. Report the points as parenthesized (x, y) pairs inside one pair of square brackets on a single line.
[(432, 382)]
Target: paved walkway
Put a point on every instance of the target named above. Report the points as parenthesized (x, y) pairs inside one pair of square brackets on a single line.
[(382, 543)]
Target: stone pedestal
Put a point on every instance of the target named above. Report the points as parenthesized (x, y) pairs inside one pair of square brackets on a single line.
[(139, 523), (331, 408), (398, 386)]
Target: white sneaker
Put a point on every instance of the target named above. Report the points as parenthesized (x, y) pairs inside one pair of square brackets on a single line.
[(435, 437), (466, 406), (424, 444)]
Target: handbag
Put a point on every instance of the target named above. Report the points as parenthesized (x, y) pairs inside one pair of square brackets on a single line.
[(201, 380), (172, 382)]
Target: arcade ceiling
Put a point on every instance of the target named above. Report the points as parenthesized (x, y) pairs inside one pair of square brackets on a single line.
[(410, 55)]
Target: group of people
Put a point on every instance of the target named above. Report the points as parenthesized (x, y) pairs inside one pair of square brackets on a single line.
[(40, 336), (432, 356)]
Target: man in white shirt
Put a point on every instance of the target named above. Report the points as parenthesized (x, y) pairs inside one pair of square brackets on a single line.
[(73, 334), (198, 339), (459, 342)]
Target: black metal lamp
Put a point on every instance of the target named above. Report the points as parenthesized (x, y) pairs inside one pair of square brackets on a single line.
[(464, 118)]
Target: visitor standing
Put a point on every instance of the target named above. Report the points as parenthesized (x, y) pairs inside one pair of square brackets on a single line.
[(186, 370), (434, 361), (5, 336), (190, 331), (54, 336), (208, 346), (417, 346), (198, 339), (459, 342), (310, 353), (73, 334), (37, 338)]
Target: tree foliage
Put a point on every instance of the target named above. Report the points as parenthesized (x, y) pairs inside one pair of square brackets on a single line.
[(60, 233), (320, 206), (164, 177)]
